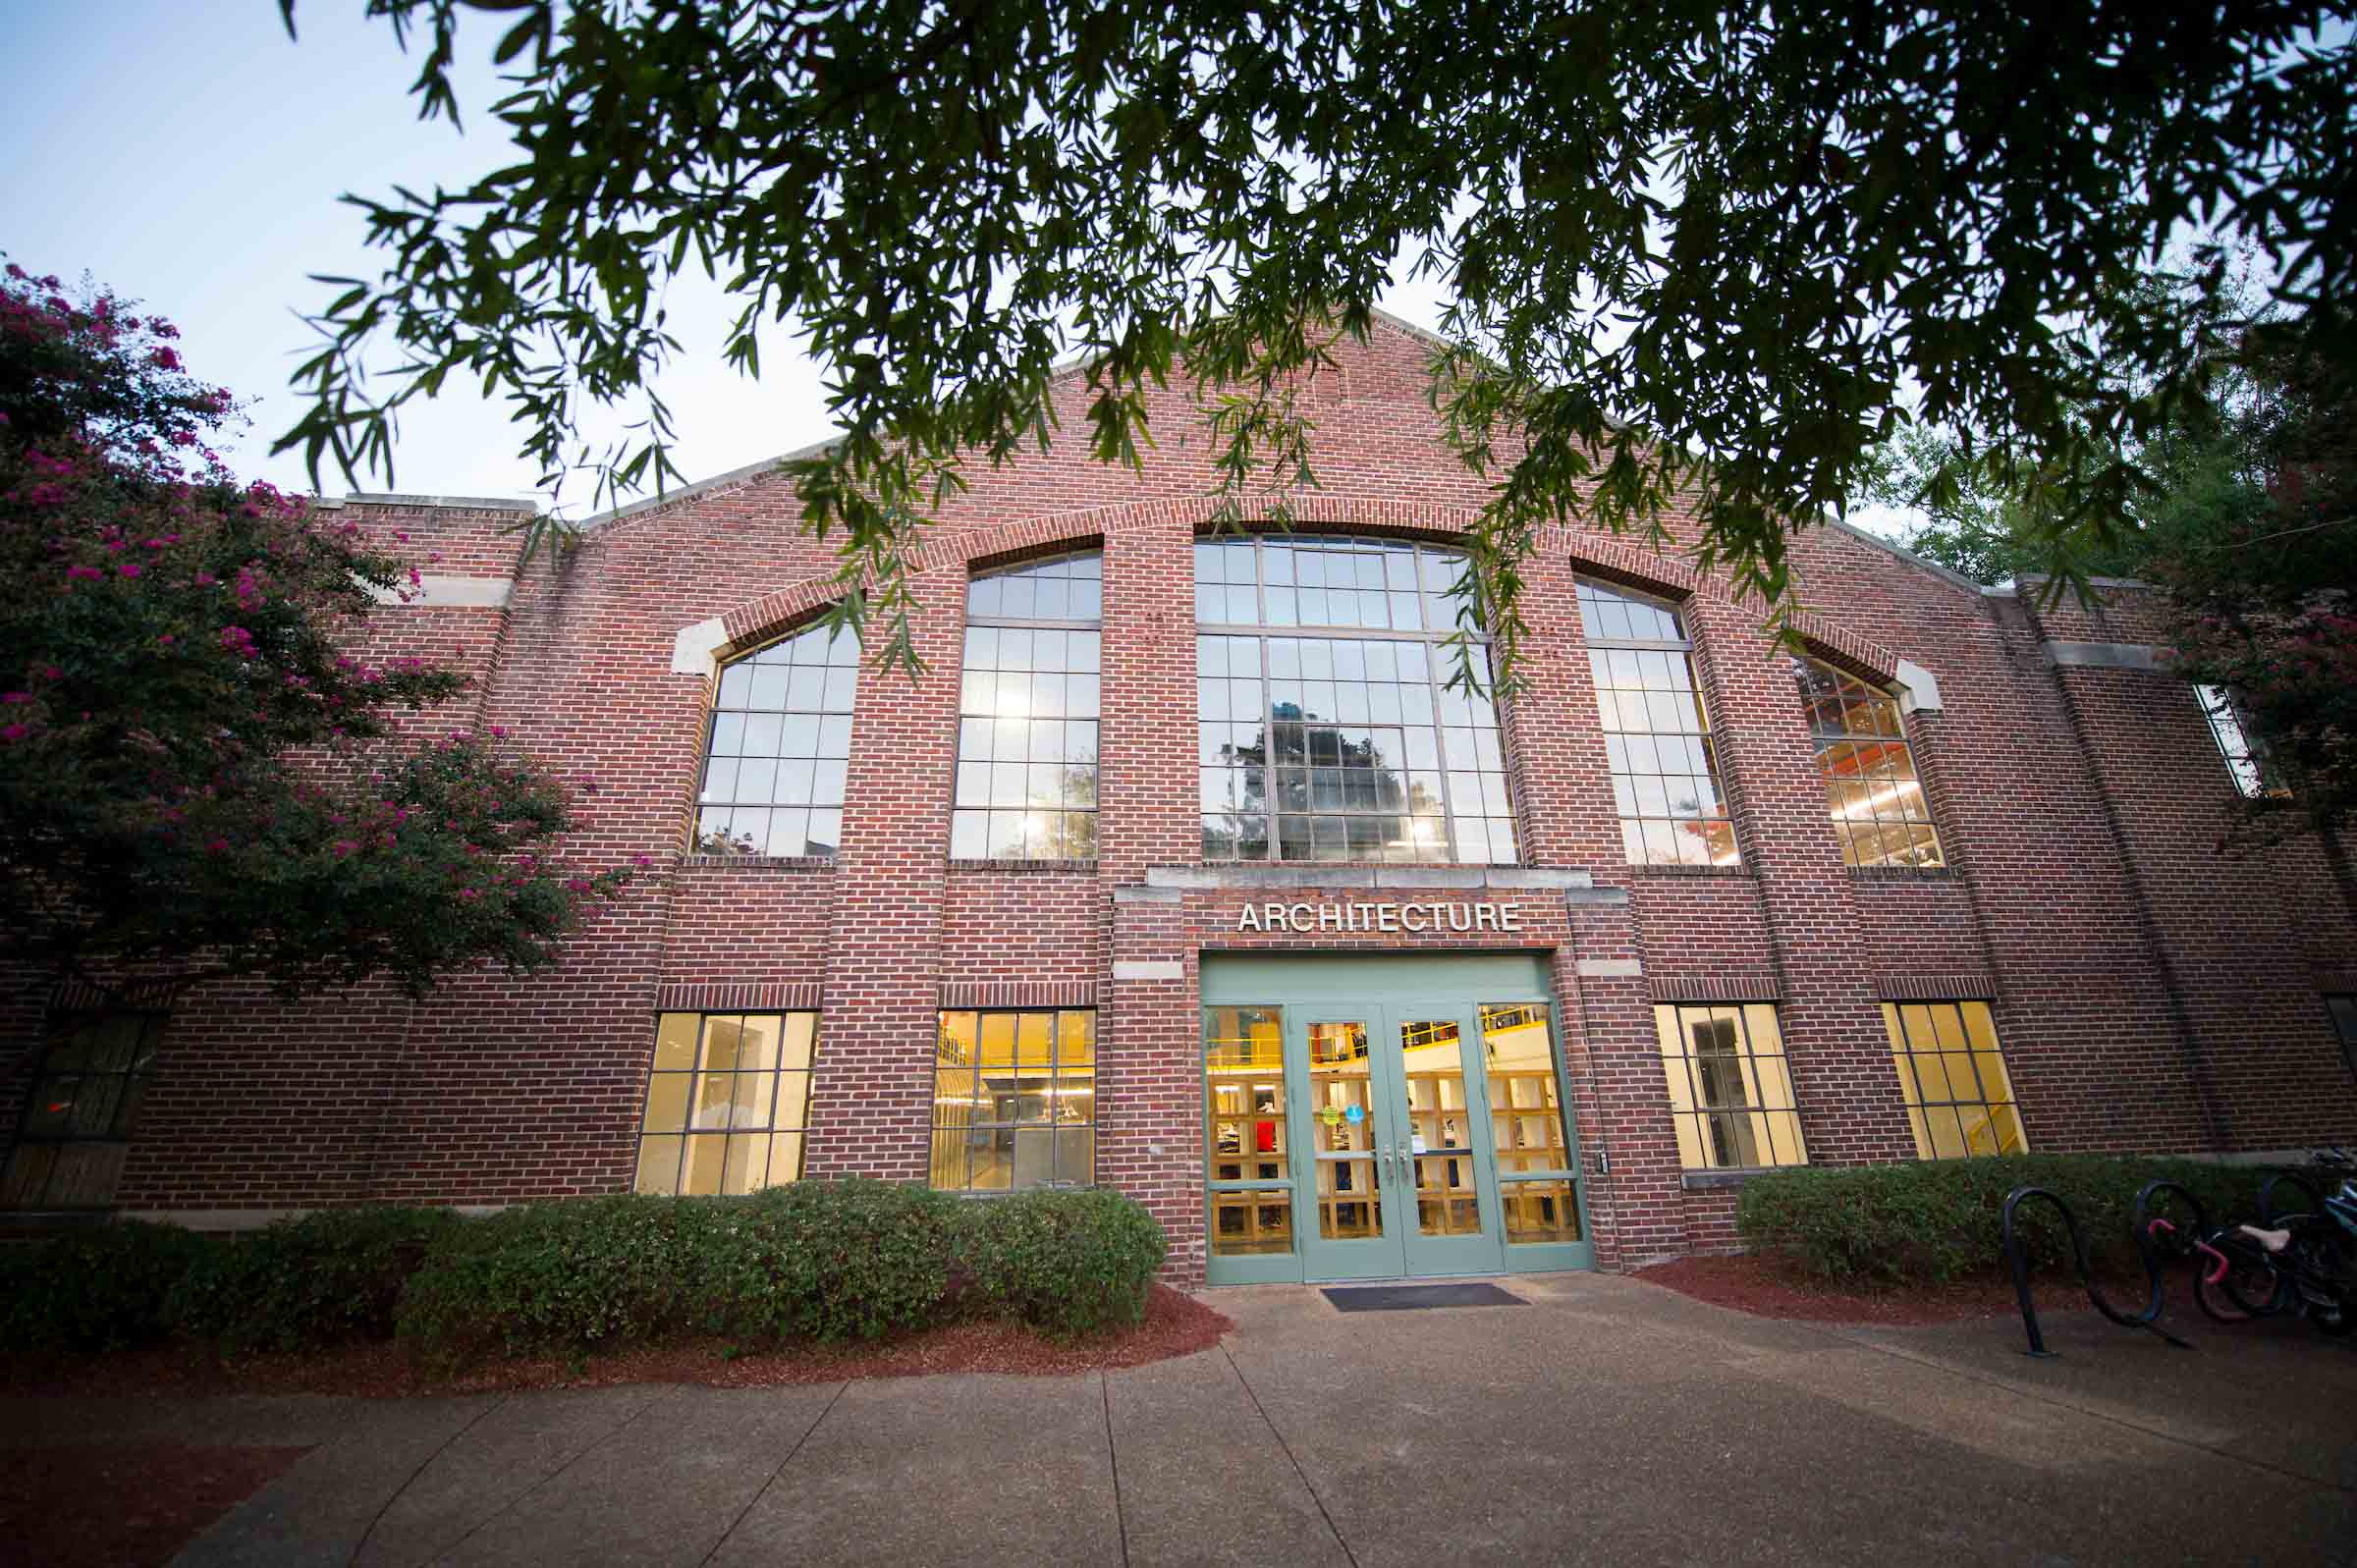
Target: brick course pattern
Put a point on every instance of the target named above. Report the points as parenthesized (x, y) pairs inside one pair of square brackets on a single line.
[(2150, 995)]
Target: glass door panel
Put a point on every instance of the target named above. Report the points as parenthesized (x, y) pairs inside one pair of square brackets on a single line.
[(1538, 1182), (1351, 1230), (1249, 1145), (1446, 1153)]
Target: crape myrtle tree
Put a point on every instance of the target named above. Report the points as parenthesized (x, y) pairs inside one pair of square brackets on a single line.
[(199, 777), (1709, 250)]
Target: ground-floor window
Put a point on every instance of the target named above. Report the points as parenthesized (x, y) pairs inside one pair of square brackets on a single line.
[(1015, 1100), (1731, 1089), (1952, 1076), (728, 1103), (75, 1129)]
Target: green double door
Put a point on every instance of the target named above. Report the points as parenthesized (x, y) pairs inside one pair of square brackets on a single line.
[(1386, 1118)]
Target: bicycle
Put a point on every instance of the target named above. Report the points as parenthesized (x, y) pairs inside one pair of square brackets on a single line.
[(2303, 1262)]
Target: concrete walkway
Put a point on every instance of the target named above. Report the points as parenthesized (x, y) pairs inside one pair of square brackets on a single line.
[(1605, 1422)]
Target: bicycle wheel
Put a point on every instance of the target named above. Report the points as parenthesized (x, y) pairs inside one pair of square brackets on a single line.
[(2321, 1260), (2252, 1284)]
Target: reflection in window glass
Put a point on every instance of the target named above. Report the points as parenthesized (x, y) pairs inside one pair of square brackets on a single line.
[(1015, 1100), (1875, 800), (728, 1103), (2244, 762), (76, 1127), (1952, 1077), (1249, 1138), (1342, 748), (775, 760), (2343, 1009), (1027, 715), (1656, 737), (1730, 1090)]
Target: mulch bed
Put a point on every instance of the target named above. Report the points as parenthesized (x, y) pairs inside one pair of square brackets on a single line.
[(1768, 1287), (1175, 1324), (122, 1506)]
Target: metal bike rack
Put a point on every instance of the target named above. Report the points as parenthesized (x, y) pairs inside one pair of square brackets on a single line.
[(2146, 1247)]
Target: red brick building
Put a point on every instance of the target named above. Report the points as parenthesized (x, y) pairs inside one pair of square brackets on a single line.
[(1182, 869)]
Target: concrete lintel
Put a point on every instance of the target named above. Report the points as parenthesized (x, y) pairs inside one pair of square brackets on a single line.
[(1149, 969), (455, 503), (2103, 655), (1918, 688), (1130, 892), (1596, 897), (1610, 968), (1430, 877), (1213, 876), (693, 649), (1538, 877), (439, 592)]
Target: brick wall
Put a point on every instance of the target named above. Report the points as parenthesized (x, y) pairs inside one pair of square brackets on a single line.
[(2148, 993)]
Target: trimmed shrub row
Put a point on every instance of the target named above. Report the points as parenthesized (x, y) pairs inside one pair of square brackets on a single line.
[(813, 1262), (1938, 1220)]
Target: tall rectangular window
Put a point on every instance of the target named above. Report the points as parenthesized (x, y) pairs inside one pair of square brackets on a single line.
[(778, 751), (1872, 792), (2245, 763), (1657, 737), (1015, 1100), (2343, 1009), (728, 1103), (1952, 1076), (75, 1129), (1731, 1089), (1027, 713)]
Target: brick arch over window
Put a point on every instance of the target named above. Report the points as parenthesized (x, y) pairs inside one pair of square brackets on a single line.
[(963, 550)]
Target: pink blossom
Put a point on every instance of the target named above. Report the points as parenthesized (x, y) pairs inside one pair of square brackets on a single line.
[(129, 569), (15, 733), (74, 572), (16, 697)]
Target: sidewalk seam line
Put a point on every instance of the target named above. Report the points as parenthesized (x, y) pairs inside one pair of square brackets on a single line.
[(508, 1507), (1113, 1462), (825, 1412), (1988, 1381), (411, 1479), (1286, 1449)]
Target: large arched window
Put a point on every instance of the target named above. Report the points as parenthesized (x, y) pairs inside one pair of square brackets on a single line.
[(1027, 713), (1327, 726), (780, 731)]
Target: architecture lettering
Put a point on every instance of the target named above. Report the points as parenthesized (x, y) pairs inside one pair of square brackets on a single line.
[(1441, 915)]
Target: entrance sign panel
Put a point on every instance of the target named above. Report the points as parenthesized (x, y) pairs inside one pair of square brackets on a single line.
[(1415, 1152)]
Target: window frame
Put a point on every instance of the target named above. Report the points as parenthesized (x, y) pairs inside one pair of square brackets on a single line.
[(135, 1078), (2246, 766), (703, 841), (695, 1075), (1682, 647), (1056, 1074), (1094, 626), (1763, 1117), (1822, 740), (1905, 1057), (1437, 634)]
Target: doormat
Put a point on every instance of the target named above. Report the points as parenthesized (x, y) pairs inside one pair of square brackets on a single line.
[(1405, 1298)]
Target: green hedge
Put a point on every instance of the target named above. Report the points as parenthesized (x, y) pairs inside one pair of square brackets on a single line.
[(1936, 1220), (92, 1290), (331, 1278), (1069, 1263), (813, 1262)]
